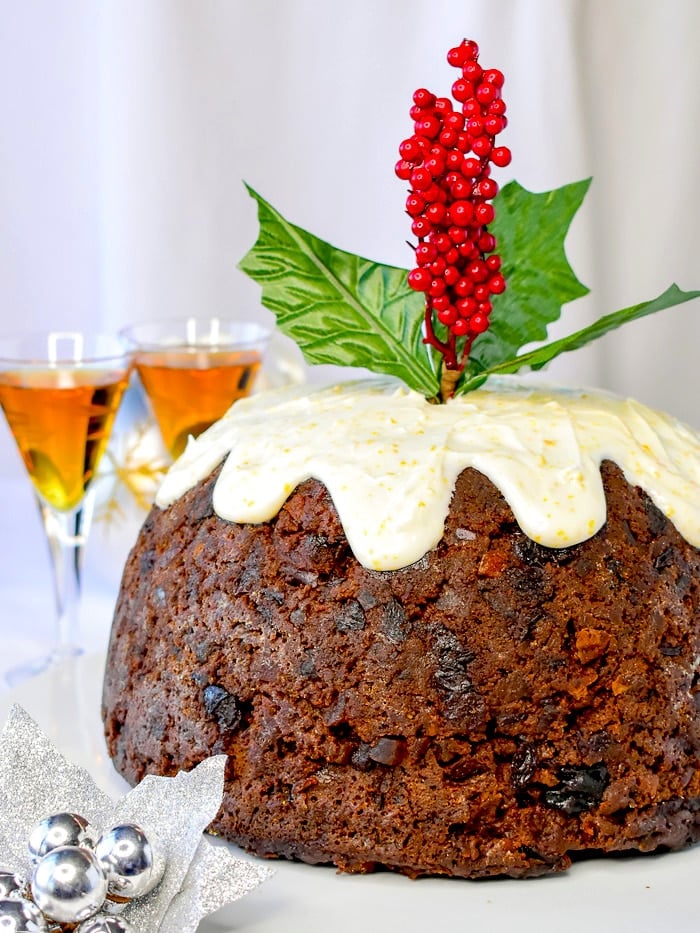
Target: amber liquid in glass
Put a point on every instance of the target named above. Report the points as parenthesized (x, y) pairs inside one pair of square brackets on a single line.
[(190, 389), (61, 420)]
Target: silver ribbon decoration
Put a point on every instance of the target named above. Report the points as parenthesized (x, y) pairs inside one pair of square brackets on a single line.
[(200, 876)]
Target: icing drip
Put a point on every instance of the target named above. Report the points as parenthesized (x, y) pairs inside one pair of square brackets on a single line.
[(390, 460)]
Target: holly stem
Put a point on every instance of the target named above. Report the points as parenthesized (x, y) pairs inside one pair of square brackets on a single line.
[(448, 350), (453, 364)]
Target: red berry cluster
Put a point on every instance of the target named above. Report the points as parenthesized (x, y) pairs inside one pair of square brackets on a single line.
[(447, 162)]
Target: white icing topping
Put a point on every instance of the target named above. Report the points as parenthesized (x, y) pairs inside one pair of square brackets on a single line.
[(390, 460)]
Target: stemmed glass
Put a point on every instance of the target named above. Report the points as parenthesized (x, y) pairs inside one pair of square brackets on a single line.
[(60, 393), (194, 369)]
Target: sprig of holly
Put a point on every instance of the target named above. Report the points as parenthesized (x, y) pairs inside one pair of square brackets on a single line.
[(343, 309), (447, 162)]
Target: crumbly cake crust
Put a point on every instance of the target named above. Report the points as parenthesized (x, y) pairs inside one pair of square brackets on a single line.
[(493, 709)]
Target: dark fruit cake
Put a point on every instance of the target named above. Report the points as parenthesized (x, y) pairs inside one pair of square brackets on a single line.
[(493, 689)]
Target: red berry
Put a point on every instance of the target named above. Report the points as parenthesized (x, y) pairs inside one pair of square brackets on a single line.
[(403, 169), (440, 302), (467, 250), (436, 212), (448, 137), (477, 271), (501, 156), (475, 126), (481, 292), (448, 316), (454, 159), (463, 143), (461, 54), (442, 242), (494, 125), (457, 234), (451, 275), (471, 107), (461, 189), (493, 263), (438, 288), (497, 284), (434, 193), (417, 113), (435, 165), (488, 188), (481, 146), (497, 107), (461, 213), (465, 306), (419, 279), (423, 98), (484, 307), (459, 328), (415, 204), (478, 323), (425, 253), (493, 76), (487, 243), (471, 71), (471, 167), (410, 150), (421, 179), (452, 255), (454, 121), (484, 213), (438, 267), (464, 287), (421, 227), (428, 127), (442, 106), (485, 93), (462, 90)]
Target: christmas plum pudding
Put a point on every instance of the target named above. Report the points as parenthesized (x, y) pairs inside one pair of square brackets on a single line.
[(505, 676), (439, 622)]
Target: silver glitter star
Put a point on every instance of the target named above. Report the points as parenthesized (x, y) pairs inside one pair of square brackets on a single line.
[(36, 781)]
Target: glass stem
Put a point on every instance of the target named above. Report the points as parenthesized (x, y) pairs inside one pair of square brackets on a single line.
[(66, 533)]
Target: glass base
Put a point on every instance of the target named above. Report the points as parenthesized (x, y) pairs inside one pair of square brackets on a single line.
[(32, 668)]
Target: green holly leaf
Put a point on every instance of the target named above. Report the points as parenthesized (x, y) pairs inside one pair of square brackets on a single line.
[(346, 310), (338, 307), (539, 357), (530, 229)]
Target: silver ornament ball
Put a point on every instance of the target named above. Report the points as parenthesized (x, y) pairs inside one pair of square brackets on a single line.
[(105, 925), (61, 829), (68, 885), (132, 864), (21, 916), (11, 885)]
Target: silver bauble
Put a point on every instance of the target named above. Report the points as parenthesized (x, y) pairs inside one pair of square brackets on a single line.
[(68, 884), (103, 924), (61, 829), (133, 866), (21, 916), (11, 885)]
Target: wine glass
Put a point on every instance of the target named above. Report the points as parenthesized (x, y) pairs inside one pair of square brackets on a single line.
[(60, 393), (192, 371)]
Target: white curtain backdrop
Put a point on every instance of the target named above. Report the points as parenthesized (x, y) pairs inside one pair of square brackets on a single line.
[(128, 127)]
